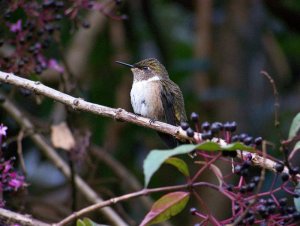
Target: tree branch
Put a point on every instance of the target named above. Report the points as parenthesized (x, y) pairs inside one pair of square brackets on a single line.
[(143, 192), (82, 105), (8, 217), (120, 114)]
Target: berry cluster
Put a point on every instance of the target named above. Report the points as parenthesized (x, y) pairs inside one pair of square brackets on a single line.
[(217, 129), (250, 205), (32, 27), (220, 130)]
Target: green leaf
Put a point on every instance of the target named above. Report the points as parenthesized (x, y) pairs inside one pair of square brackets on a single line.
[(179, 164), (166, 207), (157, 157), (80, 223), (295, 126), (237, 146), (87, 222), (297, 200), (208, 146)]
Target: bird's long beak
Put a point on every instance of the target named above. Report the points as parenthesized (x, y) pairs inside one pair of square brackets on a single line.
[(128, 65)]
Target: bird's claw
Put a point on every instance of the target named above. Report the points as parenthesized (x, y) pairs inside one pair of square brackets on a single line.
[(152, 120)]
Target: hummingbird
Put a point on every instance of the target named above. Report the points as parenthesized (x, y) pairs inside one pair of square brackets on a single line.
[(155, 96)]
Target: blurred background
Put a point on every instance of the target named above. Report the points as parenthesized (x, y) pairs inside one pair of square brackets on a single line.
[(214, 50)]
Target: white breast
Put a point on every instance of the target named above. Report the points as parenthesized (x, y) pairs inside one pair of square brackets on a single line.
[(141, 94)]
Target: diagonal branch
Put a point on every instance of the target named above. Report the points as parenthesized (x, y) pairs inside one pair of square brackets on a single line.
[(82, 105), (120, 114), (145, 191), (8, 217)]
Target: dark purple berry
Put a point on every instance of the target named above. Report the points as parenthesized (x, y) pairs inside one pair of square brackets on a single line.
[(49, 28), (262, 201), (248, 140), (59, 4), (190, 132), (184, 125), (245, 172), (250, 213), (232, 126), (238, 169), (294, 170), (242, 136), (296, 216), (236, 208), (244, 189), (193, 211), (227, 126), (58, 17), (195, 117), (284, 176), (258, 140), (283, 201), (262, 210), (250, 220), (291, 209), (4, 146), (279, 167), (48, 3), (232, 154), (205, 126), (246, 164), (251, 186), (255, 179), (225, 153), (234, 138), (206, 135), (270, 201), (272, 208), (229, 187), (216, 127)]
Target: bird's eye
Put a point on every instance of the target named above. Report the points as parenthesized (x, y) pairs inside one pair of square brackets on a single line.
[(146, 68)]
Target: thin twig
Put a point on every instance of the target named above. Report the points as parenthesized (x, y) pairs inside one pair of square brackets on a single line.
[(284, 148), (20, 150), (276, 96), (132, 195)]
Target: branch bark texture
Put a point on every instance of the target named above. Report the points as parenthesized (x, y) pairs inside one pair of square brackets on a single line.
[(82, 105)]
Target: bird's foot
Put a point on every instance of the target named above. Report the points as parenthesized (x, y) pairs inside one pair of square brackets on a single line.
[(151, 120)]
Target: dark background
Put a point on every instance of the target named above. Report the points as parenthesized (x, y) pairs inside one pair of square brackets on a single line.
[(214, 50)]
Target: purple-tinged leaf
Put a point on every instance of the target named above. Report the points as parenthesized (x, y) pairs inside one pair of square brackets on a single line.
[(166, 207)]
